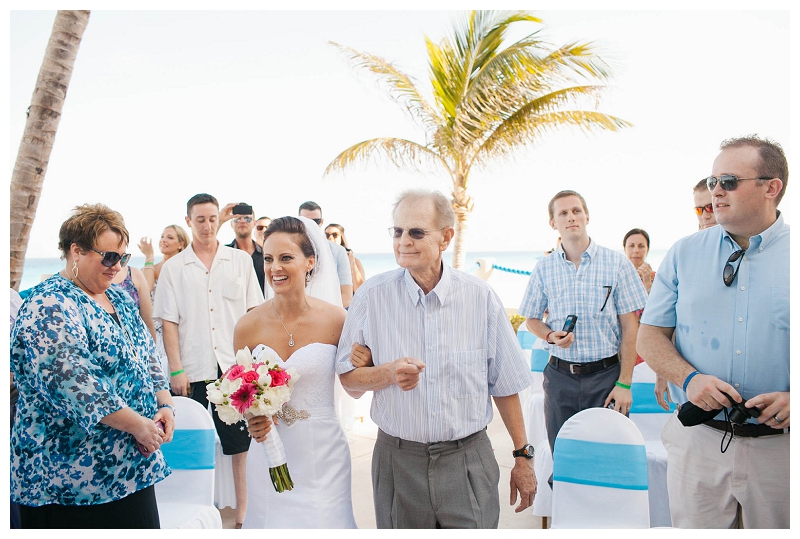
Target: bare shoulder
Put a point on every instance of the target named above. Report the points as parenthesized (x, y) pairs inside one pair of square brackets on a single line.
[(329, 319), (139, 280)]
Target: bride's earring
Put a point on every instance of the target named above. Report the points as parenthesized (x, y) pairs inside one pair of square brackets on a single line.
[(74, 270), (308, 277)]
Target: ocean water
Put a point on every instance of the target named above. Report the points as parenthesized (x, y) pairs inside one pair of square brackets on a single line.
[(509, 285)]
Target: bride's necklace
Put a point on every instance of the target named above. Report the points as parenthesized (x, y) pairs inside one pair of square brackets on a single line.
[(280, 318)]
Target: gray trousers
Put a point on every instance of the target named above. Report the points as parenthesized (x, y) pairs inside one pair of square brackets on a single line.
[(567, 394), (439, 485)]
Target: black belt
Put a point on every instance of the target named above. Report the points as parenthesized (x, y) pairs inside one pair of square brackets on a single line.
[(748, 430), (583, 368)]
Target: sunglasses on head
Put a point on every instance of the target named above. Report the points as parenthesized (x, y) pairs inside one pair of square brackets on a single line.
[(240, 219), (416, 233), (110, 258), (728, 273), (708, 208), (728, 182)]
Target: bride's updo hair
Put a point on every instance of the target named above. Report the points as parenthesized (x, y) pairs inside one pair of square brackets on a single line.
[(294, 226)]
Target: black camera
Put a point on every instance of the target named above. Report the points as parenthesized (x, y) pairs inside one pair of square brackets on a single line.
[(691, 415), (243, 209)]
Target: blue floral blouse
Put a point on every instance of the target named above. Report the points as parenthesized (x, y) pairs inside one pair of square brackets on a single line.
[(73, 365)]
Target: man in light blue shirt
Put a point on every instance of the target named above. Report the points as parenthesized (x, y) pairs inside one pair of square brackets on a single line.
[(592, 365), (311, 210), (442, 346), (726, 290)]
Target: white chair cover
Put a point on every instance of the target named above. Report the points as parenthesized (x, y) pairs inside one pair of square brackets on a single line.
[(650, 419), (600, 473), (186, 498), (543, 467)]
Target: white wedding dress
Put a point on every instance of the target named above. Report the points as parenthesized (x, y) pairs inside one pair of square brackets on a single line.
[(317, 454)]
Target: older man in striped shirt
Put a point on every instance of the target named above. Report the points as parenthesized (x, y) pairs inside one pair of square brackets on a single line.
[(591, 365), (441, 345)]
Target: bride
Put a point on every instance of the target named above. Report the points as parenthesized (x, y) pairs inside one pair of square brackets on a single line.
[(303, 331)]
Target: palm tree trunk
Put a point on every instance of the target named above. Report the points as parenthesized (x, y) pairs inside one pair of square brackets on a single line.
[(44, 115), (462, 206)]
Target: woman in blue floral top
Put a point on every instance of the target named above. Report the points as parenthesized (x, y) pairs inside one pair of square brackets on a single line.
[(94, 406)]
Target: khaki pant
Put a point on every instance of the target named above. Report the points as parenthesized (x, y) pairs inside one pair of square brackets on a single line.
[(745, 487)]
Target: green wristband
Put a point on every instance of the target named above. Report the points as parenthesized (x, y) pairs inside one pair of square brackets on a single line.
[(620, 384), (149, 263), (176, 373)]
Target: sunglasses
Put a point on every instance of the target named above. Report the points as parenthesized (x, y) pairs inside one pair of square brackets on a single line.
[(240, 219), (728, 182), (708, 208), (729, 274), (261, 227), (332, 235), (416, 233), (110, 258), (318, 220)]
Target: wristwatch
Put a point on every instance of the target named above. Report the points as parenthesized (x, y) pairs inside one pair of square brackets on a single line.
[(527, 451)]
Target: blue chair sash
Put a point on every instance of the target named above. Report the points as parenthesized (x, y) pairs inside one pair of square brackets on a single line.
[(622, 466), (526, 339), (644, 400), (190, 449), (539, 359)]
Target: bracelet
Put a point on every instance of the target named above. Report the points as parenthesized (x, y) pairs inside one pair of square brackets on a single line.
[(547, 337), (165, 405), (149, 267), (150, 263), (688, 378), (620, 384), (176, 373)]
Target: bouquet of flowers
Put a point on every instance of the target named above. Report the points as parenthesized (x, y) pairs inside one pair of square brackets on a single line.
[(256, 385)]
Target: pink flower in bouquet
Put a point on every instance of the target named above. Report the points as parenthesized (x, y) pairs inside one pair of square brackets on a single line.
[(243, 397), (279, 377), (235, 372), (249, 377)]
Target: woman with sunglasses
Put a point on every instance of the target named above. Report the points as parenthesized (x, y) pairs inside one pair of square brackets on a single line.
[(94, 406), (703, 208), (335, 233)]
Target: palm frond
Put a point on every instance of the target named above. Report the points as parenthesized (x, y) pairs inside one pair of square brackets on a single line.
[(401, 153), (530, 124), (400, 86)]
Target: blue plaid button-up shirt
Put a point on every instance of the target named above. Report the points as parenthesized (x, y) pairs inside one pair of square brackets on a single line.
[(603, 287)]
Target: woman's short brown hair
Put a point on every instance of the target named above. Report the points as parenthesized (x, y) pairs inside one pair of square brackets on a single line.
[(86, 224)]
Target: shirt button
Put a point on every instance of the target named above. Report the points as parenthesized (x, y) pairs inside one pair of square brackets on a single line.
[(739, 352), (740, 319), (742, 288), (735, 385), (430, 348), (212, 310)]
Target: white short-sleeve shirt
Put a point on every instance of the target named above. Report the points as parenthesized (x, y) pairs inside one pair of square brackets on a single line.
[(206, 304)]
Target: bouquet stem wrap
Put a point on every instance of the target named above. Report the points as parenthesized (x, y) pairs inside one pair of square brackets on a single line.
[(276, 460)]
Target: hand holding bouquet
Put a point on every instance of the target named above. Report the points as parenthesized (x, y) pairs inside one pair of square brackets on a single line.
[(256, 385)]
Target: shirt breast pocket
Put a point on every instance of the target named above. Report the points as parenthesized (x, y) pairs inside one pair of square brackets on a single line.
[(233, 288), (779, 307), (467, 372)]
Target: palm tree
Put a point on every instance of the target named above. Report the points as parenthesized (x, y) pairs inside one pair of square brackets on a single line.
[(491, 97), (44, 115)]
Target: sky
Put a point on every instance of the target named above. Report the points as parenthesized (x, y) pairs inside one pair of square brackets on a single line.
[(252, 106)]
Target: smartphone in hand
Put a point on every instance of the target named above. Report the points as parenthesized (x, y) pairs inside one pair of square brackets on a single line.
[(569, 325)]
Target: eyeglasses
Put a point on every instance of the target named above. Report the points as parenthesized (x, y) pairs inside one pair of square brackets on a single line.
[(416, 233), (728, 182), (729, 274), (708, 208), (110, 258), (261, 227), (332, 235), (238, 220)]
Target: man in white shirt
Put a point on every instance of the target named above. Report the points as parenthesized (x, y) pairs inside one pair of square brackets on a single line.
[(442, 346), (312, 210), (202, 292)]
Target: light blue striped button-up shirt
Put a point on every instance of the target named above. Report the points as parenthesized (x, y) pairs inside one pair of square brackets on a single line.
[(459, 331), (604, 286), (740, 334)]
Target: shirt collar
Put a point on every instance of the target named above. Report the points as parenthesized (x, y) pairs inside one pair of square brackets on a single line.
[(236, 245), (589, 253), (759, 241), (191, 257), (440, 291)]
